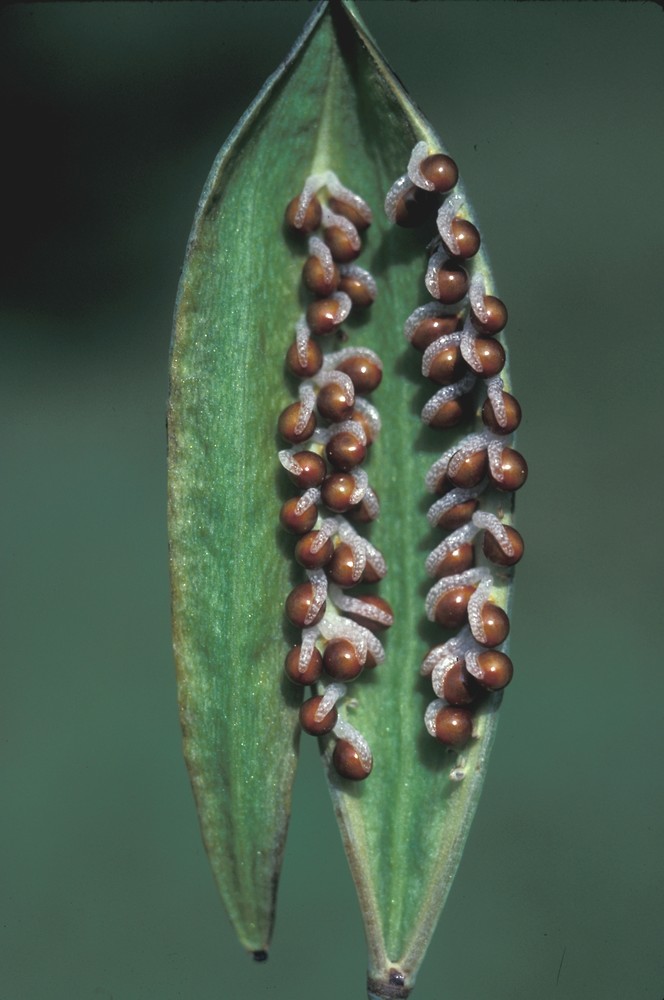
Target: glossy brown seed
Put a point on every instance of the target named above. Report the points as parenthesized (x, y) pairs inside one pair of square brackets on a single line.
[(454, 726), (491, 356), (312, 470), (312, 363), (347, 762), (323, 316), (299, 604), (414, 207), (452, 607), (496, 319), (342, 660), (370, 661), (319, 279), (350, 212), (514, 471), (496, 625), (357, 290), (447, 365), (313, 670), (458, 515), (345, 450), (452, 282), (497, 670), (361, 418), (334, 403), (298, 524), (307, 557), (337, 490), (363, 372), (457, 561), (450, 413), (459, 687), (441, 171), (377, 602), (361, 513), (341, 567), (467, 238), (288, 419), (471, 470), (512, 414), (496, 554), (371, 575), (312, 216), (431, 328), (340, 245), (309, 722)]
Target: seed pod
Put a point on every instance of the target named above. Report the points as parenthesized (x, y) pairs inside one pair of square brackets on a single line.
[(495, 670), (310, 220), (471, 470), (310, 366), (450, 413), (311, 553), (452, 282), (454, 726), (447, 365), (430, 328), (288, 424), (467, 239), (359, 417), (362, 615), (313, 671), (297, 522), (451, 609), (317, 279), (496, 625), (441, 171), (458, 560), (301, 606), (512, 415), (342, 660), (458, 515), (347, 762), (363, 512), (309, 722), (311, 470), (334, 403), (513, 471), (460, 687), (324, 316), (494, 551), (342, 247), (345, 450), (491, 356), (342, 566), (496, 317), (337, 490), (350, 211), (363, 372), (358, 289)]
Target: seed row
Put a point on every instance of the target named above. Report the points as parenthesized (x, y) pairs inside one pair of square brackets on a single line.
[(456, 335), (337, 426)]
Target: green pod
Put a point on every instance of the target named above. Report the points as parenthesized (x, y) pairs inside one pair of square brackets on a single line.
[(333, 105)]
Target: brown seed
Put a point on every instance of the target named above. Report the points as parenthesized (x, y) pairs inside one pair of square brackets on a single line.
[(318, 279), (447, 365), (341, 567), (337, 490), (452, 282), (342, 660), (514, 471), (298, 524), (312, 470), (347, 762), (496, 554), (334, 403), (323, 316), (491, 355), (370, 661), (512, 413), (350, 212), (308, 721), (312, 216), (458, 515), (307, 557), (497, 670), (299, 604), (340, 244), (496, 624), (361, 418), (496, 319), (459, 687), (345, 450), (314, 666), (450, 413), (431, 328), (457, 561), (370, 574), (454, 726), (288, 419), (374, 601), (357, 290), (414, 207), (363, 372), (312, 364), (451, 609), (467, 237), (471, 470), (361, 513), (441, 171)]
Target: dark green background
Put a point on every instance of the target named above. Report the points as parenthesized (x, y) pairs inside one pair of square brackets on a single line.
[(111, 116)]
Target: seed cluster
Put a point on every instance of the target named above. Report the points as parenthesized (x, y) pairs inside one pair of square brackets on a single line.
[(330, 430), (456, 335)]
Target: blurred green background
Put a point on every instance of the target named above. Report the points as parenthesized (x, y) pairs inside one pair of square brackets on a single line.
[(112, 115)]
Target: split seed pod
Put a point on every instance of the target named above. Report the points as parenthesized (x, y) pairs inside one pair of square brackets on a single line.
[(230, 579)]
